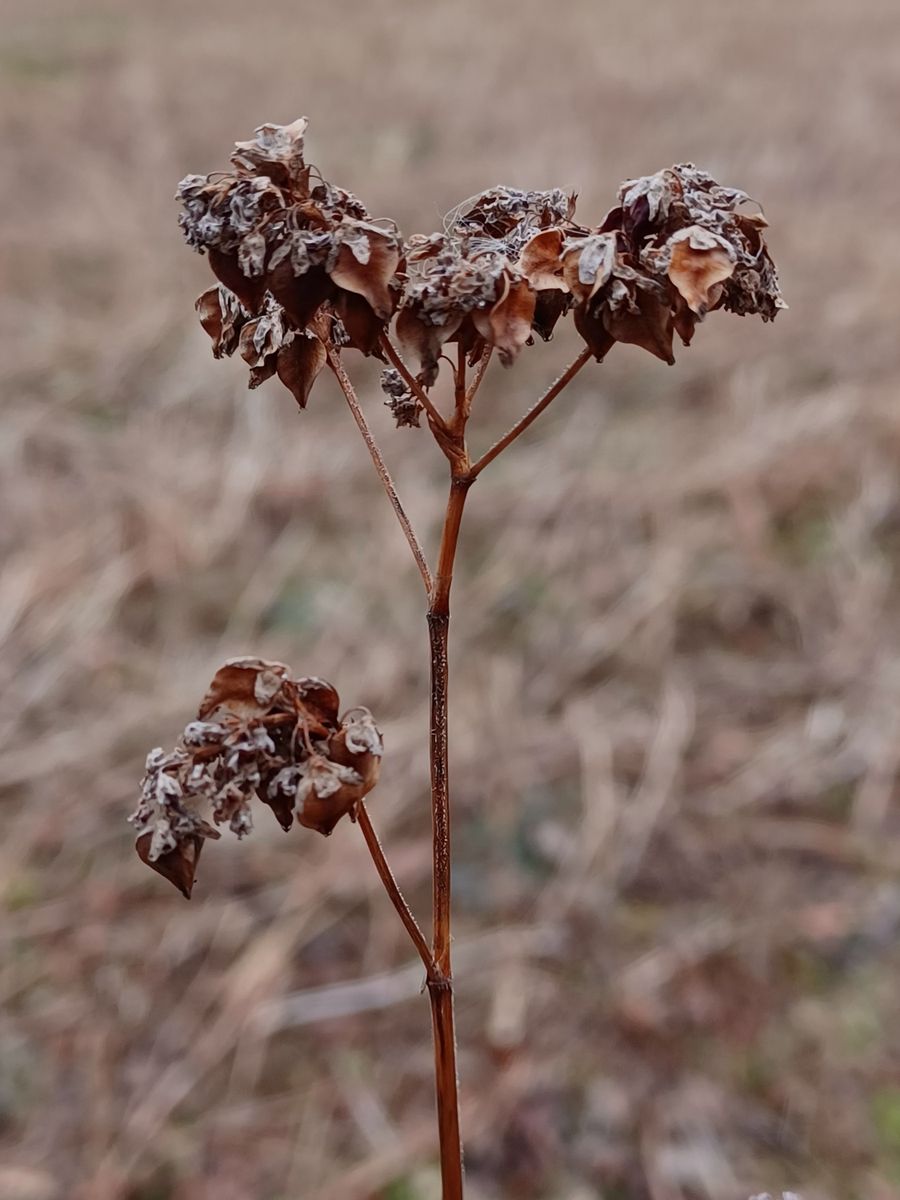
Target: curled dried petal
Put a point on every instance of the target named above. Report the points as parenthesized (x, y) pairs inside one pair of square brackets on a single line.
[(244, 687), (362, 328), (507, 325), (541, 261), (588, 265), (699, 259), (275, 151), (222, 316), (367, 265), (301, 296)]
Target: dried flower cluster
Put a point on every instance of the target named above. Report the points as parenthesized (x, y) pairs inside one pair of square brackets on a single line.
[(258, 734), (302, 265), (283, 243)]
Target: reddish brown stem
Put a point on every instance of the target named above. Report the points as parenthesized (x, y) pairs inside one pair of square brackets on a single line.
[(532, 415), (440, 990), (392, 888), (483, 363), (437, 958), (380, 466), (447, 1085)]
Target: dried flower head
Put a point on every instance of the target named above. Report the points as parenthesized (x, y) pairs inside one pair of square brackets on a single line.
[(301, 265), (259, 735), (282, 243), (404, 406), (675, 247)]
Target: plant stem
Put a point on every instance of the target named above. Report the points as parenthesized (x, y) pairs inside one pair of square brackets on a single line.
[(532, 415), (440, 989), (483, 363), (439, 977), (380, 466), (392, 888)]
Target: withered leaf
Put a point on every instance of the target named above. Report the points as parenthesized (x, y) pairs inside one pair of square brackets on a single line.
[(221, 317), (548, 308), (300, 295), (179, 866), (319, 702), (275, 151), (263, 371), (250, 292), (299, 363), (326, 791), (368, 275), (358, 744), (651, 327), (363, 327), (591, 326)]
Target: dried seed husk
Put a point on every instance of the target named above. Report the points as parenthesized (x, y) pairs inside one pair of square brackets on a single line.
[(226, 268), (245, 687), (299, 365)]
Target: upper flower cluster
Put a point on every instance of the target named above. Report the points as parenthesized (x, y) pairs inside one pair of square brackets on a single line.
[(301, 264), (259, 733), (288, 249)]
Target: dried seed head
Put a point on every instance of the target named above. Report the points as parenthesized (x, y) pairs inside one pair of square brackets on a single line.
[(467, 292), (262, 735), (511, 217), (675, 247), (404, 406), (282, 250), (300, 264)]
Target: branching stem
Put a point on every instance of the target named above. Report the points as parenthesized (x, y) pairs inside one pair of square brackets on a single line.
[(380, 466), (532, 415), (393, 889)]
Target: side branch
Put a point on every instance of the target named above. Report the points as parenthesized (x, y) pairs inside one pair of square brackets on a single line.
[(393, 890), (380, 466), (532, 415)]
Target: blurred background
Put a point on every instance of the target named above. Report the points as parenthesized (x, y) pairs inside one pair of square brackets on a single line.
[(676, 653)]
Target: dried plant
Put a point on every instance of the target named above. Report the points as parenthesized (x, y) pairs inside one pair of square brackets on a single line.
[(304, 273)]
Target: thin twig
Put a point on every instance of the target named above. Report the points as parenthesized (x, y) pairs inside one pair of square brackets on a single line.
[(380, 466), (392, 888), (483, 363), (412, 383), (532, 415)]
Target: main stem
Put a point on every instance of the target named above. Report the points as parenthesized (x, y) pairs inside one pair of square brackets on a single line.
[(440, 982), (463, 473)]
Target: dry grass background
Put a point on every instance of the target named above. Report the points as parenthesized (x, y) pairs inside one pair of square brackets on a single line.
[(677, 649)]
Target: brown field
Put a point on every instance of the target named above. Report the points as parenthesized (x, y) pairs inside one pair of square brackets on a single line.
[(676, 654)]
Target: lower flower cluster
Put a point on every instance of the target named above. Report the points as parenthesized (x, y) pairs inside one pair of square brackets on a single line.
[(259, 735)]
